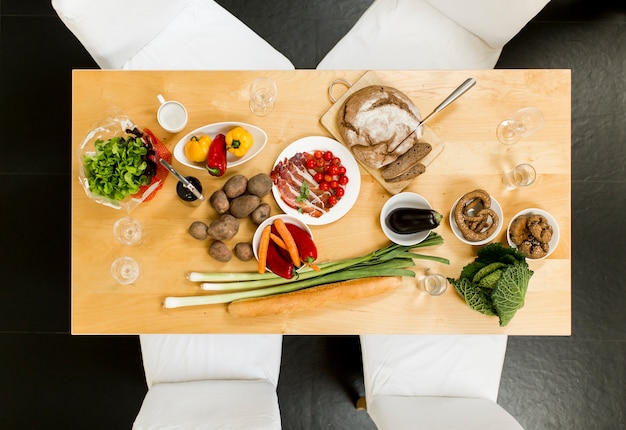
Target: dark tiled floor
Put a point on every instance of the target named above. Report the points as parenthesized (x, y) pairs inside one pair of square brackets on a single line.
[(49, 379)]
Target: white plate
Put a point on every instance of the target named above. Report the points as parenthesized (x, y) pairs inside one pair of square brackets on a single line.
[(259, 141), (404, 200), (455, 229), (556, 234), (311, 144)]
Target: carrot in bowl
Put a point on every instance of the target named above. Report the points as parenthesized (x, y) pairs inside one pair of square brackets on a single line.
[(290, 243)]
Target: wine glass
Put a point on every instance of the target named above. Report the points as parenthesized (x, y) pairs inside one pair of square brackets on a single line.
[(129, 231), (125, 270), (263, 92), (524, 123)]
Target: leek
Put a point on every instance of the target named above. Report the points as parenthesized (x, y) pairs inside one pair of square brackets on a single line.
[(392, 260)]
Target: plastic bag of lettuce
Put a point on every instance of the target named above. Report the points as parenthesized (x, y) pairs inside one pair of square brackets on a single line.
[(496, 282)]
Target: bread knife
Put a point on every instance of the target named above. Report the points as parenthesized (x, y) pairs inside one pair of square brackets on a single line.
[(461, 89)]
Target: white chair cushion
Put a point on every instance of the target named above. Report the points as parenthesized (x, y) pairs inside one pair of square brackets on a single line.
[(205, 36), (433, 365), (233, 405), (494, 21), (408, 34), (176, 358), (112, 31), (439, 413)]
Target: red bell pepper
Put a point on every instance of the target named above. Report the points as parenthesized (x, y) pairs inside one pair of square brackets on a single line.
[(277, 263), (306, 246), (216, 158)]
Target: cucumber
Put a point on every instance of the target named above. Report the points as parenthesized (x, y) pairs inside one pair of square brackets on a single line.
[(412, 220)]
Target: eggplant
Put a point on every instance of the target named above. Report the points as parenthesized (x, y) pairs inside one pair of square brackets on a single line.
[(412, 220)]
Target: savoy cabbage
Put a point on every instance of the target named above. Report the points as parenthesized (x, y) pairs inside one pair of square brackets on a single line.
[(495, 283)]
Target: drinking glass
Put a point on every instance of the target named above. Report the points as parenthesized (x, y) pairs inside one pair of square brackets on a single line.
[(521, 175), (128, 230), (524, 123), (125, 270), (263, 94), (434, 284)]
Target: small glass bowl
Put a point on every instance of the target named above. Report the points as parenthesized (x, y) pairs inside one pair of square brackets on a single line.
[(119, 125)]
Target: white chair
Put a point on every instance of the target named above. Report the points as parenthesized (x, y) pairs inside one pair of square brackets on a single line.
[(431, 34), (167, 35), (435, 382), (210, 382)]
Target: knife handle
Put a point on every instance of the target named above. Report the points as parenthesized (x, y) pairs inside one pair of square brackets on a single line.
[(469, 83), (461, 89)]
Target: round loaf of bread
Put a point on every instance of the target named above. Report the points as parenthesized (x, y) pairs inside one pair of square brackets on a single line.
[(374, 122)]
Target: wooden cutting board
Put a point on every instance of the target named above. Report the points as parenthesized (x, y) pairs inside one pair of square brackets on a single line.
[(329, 121)]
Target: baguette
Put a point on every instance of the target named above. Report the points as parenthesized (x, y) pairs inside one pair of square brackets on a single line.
[(313, 297), (406, 161)]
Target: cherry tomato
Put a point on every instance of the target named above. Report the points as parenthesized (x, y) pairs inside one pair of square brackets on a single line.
[(318, 154), (334, 184), (324, 186), (328, 156), (328, 178), (310, 163), (342, 170), (332, 200), (320, 162), (340, 192), (333, 170), (336, 161), (343, 180), (318, 177)]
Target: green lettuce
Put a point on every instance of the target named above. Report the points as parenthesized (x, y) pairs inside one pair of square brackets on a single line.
[(495, 283)]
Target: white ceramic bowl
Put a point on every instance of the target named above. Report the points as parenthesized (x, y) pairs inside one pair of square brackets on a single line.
[(556, 234), (495, 205), (404, 200), (259, 141), (287, 219)]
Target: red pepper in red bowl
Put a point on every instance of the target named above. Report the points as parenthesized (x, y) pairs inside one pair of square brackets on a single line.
[(216, 158), (306, 246)]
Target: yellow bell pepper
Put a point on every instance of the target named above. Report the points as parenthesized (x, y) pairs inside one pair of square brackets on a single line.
[(238, 141), (196, 149)]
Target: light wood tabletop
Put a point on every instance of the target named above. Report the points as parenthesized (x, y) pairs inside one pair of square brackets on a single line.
[(472, 158)]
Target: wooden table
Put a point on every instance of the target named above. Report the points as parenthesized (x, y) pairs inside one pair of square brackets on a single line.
[(473, 158)]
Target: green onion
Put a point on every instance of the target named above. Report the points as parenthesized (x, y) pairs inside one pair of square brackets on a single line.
[(392, 260)]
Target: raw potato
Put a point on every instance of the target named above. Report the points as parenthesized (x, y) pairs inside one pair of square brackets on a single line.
[(235, 186), (219, 251), (260, 185), (219, 201), (261, 213), (199, 230), (224, 228), (243, 251), (244, 205)]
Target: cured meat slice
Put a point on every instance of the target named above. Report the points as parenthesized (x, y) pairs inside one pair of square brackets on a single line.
[(297, 187)]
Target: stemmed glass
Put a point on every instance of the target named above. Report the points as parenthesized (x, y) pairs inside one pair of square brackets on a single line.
[(524, 123), (128, 230)]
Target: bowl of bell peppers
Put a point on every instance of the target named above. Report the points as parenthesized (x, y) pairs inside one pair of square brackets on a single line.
[(215, 147)]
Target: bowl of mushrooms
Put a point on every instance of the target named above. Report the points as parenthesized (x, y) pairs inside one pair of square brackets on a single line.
[(534, 232)]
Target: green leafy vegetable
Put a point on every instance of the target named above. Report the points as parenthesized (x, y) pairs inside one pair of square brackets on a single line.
[(495, 283), (392, 260), (119, 167)]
